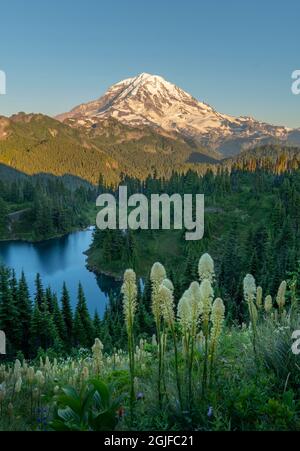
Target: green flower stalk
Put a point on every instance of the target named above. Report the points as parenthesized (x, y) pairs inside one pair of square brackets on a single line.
[(259, 298), (167, 303), (129, 291), (280, 299), (97, 350), (167, 310), (184, 315), (196, 310), (157, 276), (196, 302), (268, 305), (206, 268), (217, 318), (250, 297), (207, 295)]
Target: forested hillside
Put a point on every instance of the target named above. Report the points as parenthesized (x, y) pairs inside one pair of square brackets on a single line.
[(252, 224), (34, 144), (43, 208)]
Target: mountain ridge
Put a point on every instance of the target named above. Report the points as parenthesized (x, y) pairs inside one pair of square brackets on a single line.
[(150, 100), (142, 126)]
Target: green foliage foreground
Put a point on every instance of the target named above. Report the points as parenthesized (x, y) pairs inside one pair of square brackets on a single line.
[(196, 373)]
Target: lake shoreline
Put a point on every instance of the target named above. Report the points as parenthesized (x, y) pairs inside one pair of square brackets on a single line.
[(100, 272), (45, 240), (59, 261)]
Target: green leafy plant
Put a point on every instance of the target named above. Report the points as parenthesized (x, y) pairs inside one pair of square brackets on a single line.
[(90, 409)]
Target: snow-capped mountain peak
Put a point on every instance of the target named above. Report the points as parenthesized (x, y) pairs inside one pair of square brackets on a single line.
[(150, 100)]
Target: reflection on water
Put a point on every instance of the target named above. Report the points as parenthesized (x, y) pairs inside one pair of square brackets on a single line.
[(57, 261)]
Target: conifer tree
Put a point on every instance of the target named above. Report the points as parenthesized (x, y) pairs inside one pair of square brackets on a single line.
[(35, 330), (83, 326), (39, 293), (48, 331), (97, 326), (67, 316), (25, 311), (58, 320), (9, 320), (49, 300)]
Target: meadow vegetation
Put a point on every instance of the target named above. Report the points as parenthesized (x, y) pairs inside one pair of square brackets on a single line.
[(198, 371)]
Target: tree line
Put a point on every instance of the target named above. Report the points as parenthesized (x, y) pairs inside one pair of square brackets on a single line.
[(45, 321), (49, 207)]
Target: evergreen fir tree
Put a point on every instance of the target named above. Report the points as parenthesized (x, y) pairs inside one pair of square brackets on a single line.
[(25, 312), (97, 324), (67, 316), (59, 320), (9, 318), (39, 293), (83, 326)]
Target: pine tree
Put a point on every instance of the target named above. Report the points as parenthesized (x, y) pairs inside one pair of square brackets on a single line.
[(59, 320), (25, 312), (9, 319), (49, 299), (48, 331), (67, 316), (39, 293), (35, 330), (97, 326), (83, 326)]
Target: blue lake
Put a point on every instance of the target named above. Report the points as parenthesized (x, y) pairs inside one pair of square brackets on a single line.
[(60, 260)]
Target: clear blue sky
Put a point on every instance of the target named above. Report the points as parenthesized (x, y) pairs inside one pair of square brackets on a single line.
[(237, 57)]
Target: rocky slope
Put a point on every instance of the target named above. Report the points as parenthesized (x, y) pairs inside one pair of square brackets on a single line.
[(149, 100)]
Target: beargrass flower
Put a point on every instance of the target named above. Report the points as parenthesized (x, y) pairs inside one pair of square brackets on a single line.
[(250, 294), (206, 268), (158, 273), (97, 354), (129, 291), (268, 304), (18, 385), (196, 302), (40, 378), (207, 294), (280, 299), (157, 276), (259, 297), (184, 312), (168, 284), (217, 318), (249, 288), (167, 305)]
